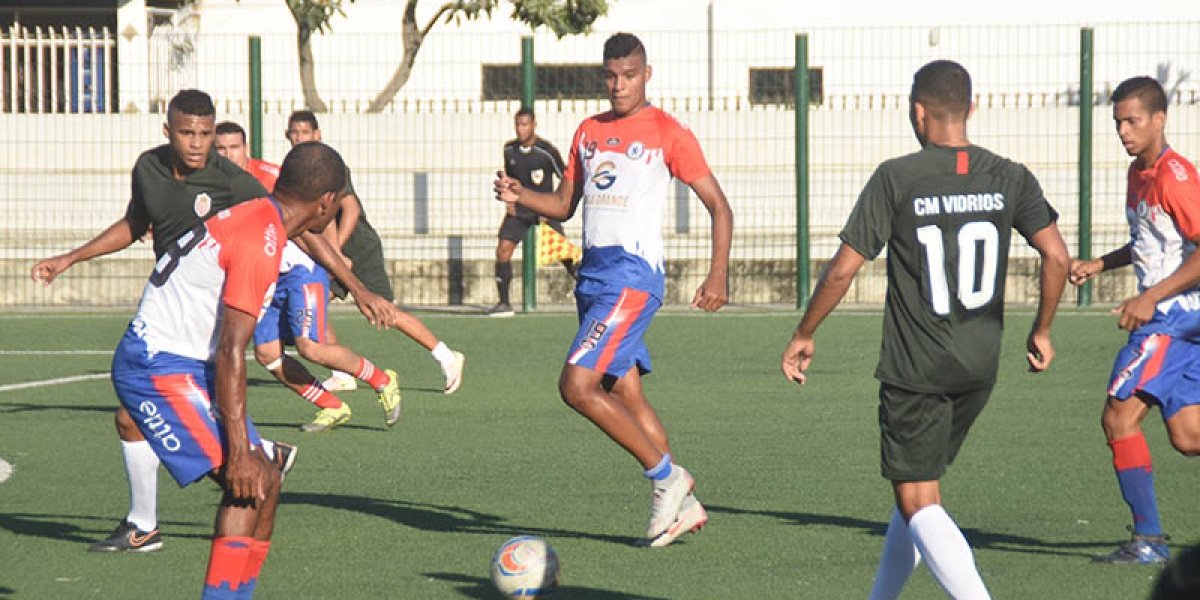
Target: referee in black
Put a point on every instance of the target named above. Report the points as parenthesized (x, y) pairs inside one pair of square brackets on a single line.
[(531, 160)]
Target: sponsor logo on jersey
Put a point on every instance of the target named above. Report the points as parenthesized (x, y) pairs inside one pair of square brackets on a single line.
[(1180, 172), (202, 204), (613, 141), (270, 240), (635, 150), (537, 176), (605, 175)]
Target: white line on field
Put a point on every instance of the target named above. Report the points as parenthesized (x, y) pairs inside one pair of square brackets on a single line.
[(45, 382), (52, 352)]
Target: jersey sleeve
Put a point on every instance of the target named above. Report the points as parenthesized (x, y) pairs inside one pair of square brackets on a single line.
[(136, 210), (1180, 197), (1033, 212), (574, 170), (684, 157), (869, 226), (250, 259), (244, 186)]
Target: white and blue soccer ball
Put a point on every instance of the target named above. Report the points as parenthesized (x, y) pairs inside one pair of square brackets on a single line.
[(525, 567)]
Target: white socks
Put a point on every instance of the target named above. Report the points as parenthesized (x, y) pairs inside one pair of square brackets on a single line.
[(443, 354), (900, 557), (947, 554), (141, 468)]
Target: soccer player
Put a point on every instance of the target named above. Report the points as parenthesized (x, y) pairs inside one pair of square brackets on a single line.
[(358, 240), (530, 160), (180, 367), (946, 214), (174, 187), (296, 316), (619, 167), (1160, 363)]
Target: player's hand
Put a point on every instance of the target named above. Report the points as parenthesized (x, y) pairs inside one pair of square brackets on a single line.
[(711, 295), (1083, 270), (508, 190), (46, 270), (245, 475), (1135, 312), (796, 358), (379, 311), (1039, 351)]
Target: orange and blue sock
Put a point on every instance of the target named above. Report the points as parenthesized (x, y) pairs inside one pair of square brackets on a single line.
[(226, 565), (1135, 474), (258, 555)]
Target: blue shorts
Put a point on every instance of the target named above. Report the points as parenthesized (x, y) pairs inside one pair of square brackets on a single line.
[(612, 323), (297, 310), (169, 396), (1178, 316), (1157, 366)]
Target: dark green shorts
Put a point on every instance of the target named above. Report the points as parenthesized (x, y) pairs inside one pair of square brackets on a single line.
[(920, 433), (368, 266)]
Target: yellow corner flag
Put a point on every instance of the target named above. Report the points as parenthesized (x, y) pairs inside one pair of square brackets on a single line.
[(554, 247)]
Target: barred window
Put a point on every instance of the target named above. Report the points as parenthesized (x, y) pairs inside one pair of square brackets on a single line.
[(554, 82), (774, 85)]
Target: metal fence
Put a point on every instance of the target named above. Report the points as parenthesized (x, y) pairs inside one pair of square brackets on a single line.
[(423, 164)]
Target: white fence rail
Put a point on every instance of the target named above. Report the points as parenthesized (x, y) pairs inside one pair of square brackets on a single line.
[(57, 71)]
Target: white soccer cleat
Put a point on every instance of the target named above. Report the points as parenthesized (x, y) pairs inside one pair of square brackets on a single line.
[(692, 518), (454, 373), (669, 494), (340, 383)]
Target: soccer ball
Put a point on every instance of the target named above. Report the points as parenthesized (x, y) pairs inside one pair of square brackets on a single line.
[(525, 567)]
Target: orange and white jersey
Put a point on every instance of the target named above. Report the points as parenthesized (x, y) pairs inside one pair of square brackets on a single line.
[(266, 173), (624, 167), (232, 259), (1163, 209)]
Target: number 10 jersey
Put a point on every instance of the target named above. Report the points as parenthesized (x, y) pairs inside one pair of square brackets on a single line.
[(946, 216)]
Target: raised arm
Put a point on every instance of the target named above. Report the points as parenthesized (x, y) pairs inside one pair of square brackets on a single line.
[(117, 236)]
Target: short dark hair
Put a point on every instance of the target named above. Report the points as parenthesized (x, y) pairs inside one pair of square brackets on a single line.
[(943, 87), (525, 110), (191, 102), (310, 170), (1146, 89), (303, 116), (621, 45), (228, 127)]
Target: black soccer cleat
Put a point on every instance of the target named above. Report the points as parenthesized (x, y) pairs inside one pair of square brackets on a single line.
[(128, 538)]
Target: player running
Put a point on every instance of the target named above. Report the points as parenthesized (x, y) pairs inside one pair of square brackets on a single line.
[(1160, 363), (620, 165)]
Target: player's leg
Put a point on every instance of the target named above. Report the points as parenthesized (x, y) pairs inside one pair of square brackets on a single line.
[(1145, 368), (138, 531), (581, 388), (920, 435), (504, 273), (385, 382), (242, 538), (1181, 409), (899, 559), (628, 391)]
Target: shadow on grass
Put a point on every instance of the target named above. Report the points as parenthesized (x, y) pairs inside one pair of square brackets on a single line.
[(444, 519), (63, 527), (481, 589), (987, 540), (6, 592)]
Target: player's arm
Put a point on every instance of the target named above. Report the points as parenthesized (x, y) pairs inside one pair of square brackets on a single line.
[(1056, 261), (117, 236), (351, 210), (834, 283), (1083, 270), (377, 309), (1138, 310), (242, 475), (714, 293), (559, 205)]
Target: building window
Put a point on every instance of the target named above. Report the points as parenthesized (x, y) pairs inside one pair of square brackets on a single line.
[(774, 86), (554, 82)]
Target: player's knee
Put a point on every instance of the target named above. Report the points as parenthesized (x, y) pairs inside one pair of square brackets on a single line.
[(268, 358), (1188, 444), (127, 429), (1118, 424)]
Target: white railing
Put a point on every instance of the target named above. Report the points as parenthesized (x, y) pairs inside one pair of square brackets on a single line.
[(57, 70)]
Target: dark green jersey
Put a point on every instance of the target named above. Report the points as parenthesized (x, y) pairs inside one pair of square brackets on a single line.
[(172, 206), (363, 239), (946, 216)]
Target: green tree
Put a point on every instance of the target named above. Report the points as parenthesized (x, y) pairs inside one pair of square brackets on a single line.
[(563, 17)]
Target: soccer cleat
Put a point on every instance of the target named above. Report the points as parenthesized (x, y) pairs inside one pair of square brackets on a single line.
[(501, 310), (285, 457), (669, 494), (692, 518), (340, 383), (128, 538), (454, 373), (390, 398), (1140, 550), (328, 418)]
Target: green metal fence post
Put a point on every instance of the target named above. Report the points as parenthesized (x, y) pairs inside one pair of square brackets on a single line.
[(801, 92), (1085, 157), (529, 247), (256, 148)]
